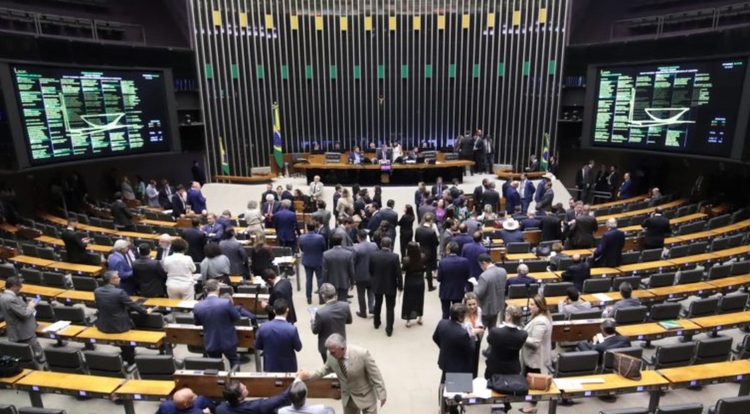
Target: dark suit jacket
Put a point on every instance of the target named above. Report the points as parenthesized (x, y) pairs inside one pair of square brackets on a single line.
[(626, 189), (581, 234), (539, 191), (512, 199), (589, 179), (492, 197), (235, 252), (389, 215), (178, 206), (550, 226), (529, 191), (385, 270), (121, 214), (613, 342), (453, 274), (436, 193), (515, 236), (576, 274), (462, 239), (263, 196), (287, 195), (113, 306), (282, 289), (657, 228), (150, 277), (278, 339), (471, 252), (218, 317), (165, 201), (609, 251), (478, 197), (268, 405), (545, 202), (285, 223), (160, 253), (216, 229), (505, 348), (338, 267), (312, 245), (379, 154), (196, 200), (75, 247), (331, 318), (196, 240), (362, 253), (428, 244), (456, 347), (531, 223)]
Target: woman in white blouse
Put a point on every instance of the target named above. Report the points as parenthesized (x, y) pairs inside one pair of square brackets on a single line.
[(536, 353), (345, 203), (253, 217), (180, 269)]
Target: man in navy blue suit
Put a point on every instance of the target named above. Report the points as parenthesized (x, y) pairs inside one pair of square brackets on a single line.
[(281, 288), (609, 340), (313, 245), (279, 340), (285, 223), (471, 252), (626, 188), (235, 393), (217, 316), (512, 198), (195, 199), (214, 231), (609, 251), (456, 346), (526, 192), (453, 275), (463, 237)]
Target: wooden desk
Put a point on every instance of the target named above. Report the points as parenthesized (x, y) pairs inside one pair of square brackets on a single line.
[(686, 261), (521, 256), (552, 302), (193, 335), (646, 268), (613, 384), (143, 390), (67, 333), (574, 331), (7, 382), (551, 395), (76, 269), (652, 331), (706, 235), (730, 284), (247, 301), (604, 272), (726, 321), (160, 223), (679, 220), (545, 277), (622, 202), (726, 254), (644, 295), (648, 210), (706, 374), (46, 293), (259, 384), (39, 382), (582, 252), (171, 304), (683, 291), (98, 248), (447, 169), (150, 339), (31, 261), (78, 296)]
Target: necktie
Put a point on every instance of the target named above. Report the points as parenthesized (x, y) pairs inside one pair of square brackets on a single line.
[(342, 364), (523, 188), (270, 208)]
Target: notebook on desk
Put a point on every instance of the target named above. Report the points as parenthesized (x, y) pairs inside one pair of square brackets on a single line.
[(458, 382), (670, 324)]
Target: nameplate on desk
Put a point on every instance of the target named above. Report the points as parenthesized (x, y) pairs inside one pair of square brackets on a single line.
[(136, 396), (740, 377), (92, 340), (639, 388), (34, 388), (133, 343)]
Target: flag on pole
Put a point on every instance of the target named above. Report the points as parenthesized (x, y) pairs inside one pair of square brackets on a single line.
[(545, 153), (277, 154), (224, 159)]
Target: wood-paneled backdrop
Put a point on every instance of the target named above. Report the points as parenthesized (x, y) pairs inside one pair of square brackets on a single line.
[(356, 71)]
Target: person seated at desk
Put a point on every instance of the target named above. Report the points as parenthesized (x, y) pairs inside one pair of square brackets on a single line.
[(511, 232), (608, 339), (558, 256), (384, 154), (626, 291), (184, 401), (356, 157), (522, 278), (235, 393), (573, 303), (298, 398), (577, 273)]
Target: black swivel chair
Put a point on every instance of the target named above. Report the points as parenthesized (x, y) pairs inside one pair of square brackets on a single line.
[(690, 408), (713, 350)]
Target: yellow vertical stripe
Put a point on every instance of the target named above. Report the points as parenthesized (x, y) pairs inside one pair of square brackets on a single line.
[(441, 22), (319, 23), (294, 22), (217, 18), (344, 23), (516, 17), (465, 21), (243, 19), (543, 15), (269, 21), (392, 23), (417, 22), (490, 19), (368, 23)]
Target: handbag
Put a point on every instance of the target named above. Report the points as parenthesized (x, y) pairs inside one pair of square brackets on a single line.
[(508, 384), (9, 366), (539, 382), (627, 366)]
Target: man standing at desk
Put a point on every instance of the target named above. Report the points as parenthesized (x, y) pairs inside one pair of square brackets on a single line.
[(114, 306), (279, 340), (149, 275), (195, 199), (218, 316), (75, 243), (281, 288), (19, 317), (609, 251), (213, 230), (121, 214), (316, 189), (120, 261), (656, 228)]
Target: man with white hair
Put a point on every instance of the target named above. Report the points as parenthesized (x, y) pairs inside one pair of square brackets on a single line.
[(121, 262), (164, 248), (269, 208), (316, 188), (609, 251)]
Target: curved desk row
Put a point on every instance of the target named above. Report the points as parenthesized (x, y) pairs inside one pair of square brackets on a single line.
[(368, 174)]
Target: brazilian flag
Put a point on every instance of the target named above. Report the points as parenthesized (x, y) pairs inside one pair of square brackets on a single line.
[(545, 153), (277, 154)]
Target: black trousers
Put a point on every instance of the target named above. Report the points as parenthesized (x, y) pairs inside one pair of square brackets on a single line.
[(343, 294), (128, 354), (446, 305), (365, 297), (489, 321), (390, 305)]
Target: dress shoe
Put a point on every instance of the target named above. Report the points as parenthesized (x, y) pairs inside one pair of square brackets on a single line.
[(377, 325), (431, 289), (389, 332), (309, 301), (361, 315), (349, 296)]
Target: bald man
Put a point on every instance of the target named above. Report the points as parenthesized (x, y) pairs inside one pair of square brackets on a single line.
[(184, 401)]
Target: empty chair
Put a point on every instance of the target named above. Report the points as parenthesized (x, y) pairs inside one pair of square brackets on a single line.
[(31, 276), (44, 312), (96, 222), (155, 367), (7, 270), (690, 276), (84, 283), (68, 360), (184, 318), (8, 409), (665, 311), (28, 249), (569, 364), (713, 350), (144, 228), (172, 231), (522, 291), (742, 350), (660, 280), (735, 241), (599, 285), (46, 253), (630, 314), (226, 290), (689, 408), (35, 410), (630, 257), (638, 410), (558, 317), (732, 405), (719, 272), (108, 224), (107, 364), (590, 314), (719, 221), (565, 263), (698, 247), (103, 240), (510, 267), (682, 211), (719, 244), (251, 289), (536, 265), (735, 302), (518, 247), (23, 352), (634, 281), (651, 255), (556, 289), (670, 356), (702, 307), (679, 251), (148, 322), (740, 268), (54, 279), (608, 359), (73, 314), (202, 364)]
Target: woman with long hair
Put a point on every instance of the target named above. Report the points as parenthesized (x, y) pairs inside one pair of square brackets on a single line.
[(537, 350), (261, 255), (345, 202), (413, 266), (378, 197), (406, 228), (473, 325)]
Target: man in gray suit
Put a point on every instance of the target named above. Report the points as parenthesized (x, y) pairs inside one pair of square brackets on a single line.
[(19, 317), (490, 290), (323, 214), (338, 267), (331, 318), (362, 252)]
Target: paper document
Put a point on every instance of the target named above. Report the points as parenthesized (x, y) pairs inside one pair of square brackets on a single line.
[(186, 304), (283, 260), (57, 326), (603, 297)]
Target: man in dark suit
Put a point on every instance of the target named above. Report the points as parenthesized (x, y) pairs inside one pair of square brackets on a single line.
[(385, 270), (280, 289), (225, 220), (285, 223), (214, 231), (269, 191), (479, 194), (577, 273), (531, 221), (195, 199), (581, 231), (384, 154), (455, 344), (196, 240), (540, 188), (471, 252), (235, 252), (338, 267), (491, 197), (121, 215), (437, 189), (626, 188), (656, 228), (149, 275), (362, 252), (526, 191), (548, 197), (453, 274), (75, 243), (463, 237), (113, 307), (512, 198), (550, 225), (609, 252), (198, 174), (287, 194), (218, 317), (533, 164), (313, 245), (388, 214), (356, 157), (165, 195), (585, 182), (279, 339), (610, 339), (505, 343), (179, 202), (269, 208), (330, 318)]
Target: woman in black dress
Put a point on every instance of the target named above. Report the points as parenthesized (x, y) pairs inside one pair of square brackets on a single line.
[(426, 236), (378, 197), (413, 267), (406, 228)]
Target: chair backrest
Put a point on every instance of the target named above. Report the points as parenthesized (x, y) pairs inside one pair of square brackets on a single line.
[(675, 355), (719, 271), (21, 351), (665, 311), (608, 359), (576, 363), (634, 281), (630, 314), (251, 289), (31, 276), (719, 244), (637, 410), (144, 228), (518, 247), (682, 211), (85, 283), (511, 266), (713, 350), (46, 253), (651, 255), (63, 359), (599, 285), (556, 289), (719, 221), (689, 408), (741, 268), (565, 263), (679, 251), (630, 257), (521, 291), (558, 317), (107, 364), (7, 270), (690, 276), (103, 240), (735, 240), (148, 322), (703, 307), (29, 250), (536, 265), (743, 348), (661, 279), (74, 314), (55, 279), (184, 318), (735, 302), (35, 410), (44, 312), (698, 247), (202, 364), (8, 409), (589, 314), (155, 367), (733, 405)]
